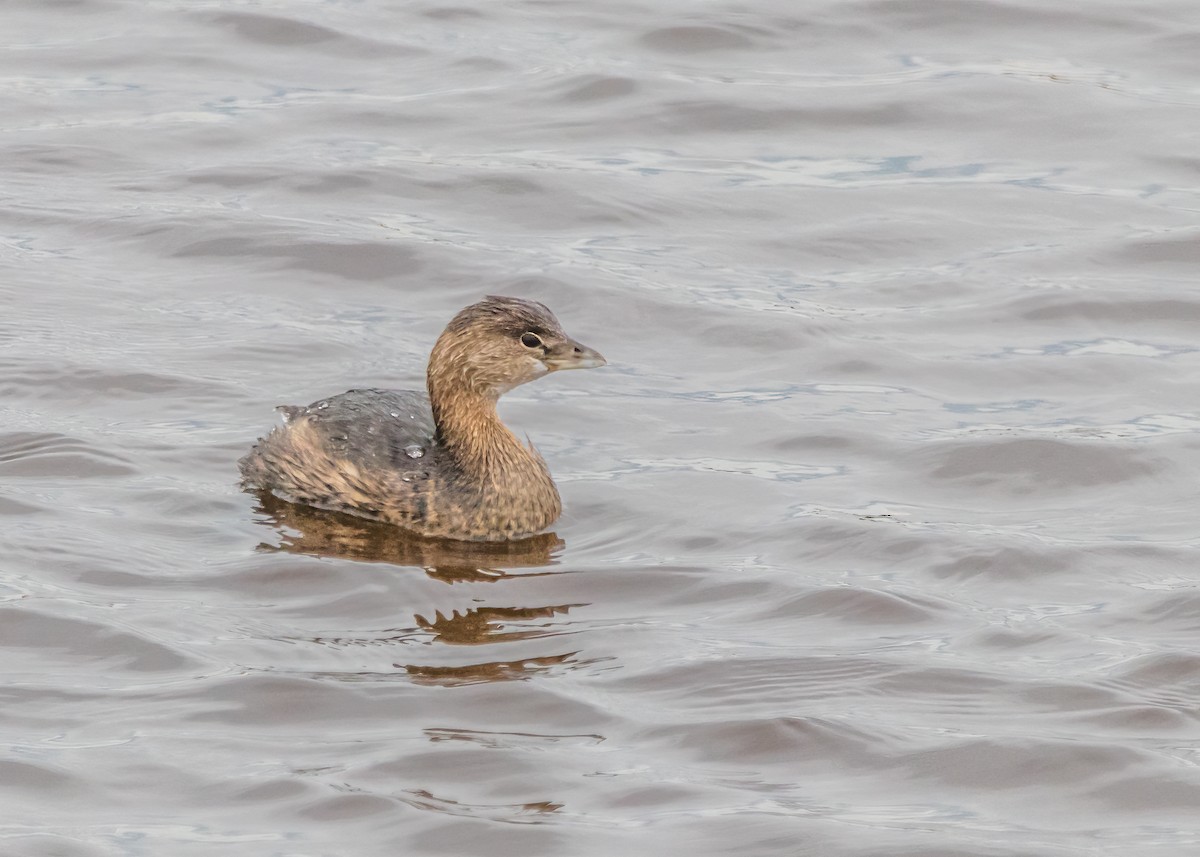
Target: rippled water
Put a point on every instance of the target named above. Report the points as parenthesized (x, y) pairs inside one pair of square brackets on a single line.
[(881, 527)]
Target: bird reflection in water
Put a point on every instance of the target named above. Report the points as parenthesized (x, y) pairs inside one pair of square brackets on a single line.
[(316, 532)]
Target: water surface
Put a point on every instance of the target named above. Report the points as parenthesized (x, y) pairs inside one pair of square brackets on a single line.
[(880, 533)]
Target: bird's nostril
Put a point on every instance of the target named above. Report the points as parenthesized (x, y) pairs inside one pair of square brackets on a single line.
[(578, 350)]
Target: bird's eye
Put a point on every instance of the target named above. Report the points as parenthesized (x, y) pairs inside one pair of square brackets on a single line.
[(531, 340)]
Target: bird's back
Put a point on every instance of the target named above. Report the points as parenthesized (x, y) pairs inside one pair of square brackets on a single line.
[(358, 451)]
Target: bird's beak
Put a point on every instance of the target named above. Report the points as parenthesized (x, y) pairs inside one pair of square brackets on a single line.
[(573, 355)]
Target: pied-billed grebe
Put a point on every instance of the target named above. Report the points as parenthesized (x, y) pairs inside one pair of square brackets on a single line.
[(441, 464)]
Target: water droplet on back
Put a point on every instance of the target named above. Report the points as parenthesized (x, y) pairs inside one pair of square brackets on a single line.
[(414, 450)]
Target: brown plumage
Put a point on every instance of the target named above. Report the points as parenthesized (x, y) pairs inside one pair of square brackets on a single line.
[(440, 464)]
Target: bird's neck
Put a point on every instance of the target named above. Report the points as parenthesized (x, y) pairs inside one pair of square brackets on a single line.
[(470, 430), (509, 480)]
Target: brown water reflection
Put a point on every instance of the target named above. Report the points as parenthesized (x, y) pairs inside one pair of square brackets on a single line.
[(320, 533), (490, 671)]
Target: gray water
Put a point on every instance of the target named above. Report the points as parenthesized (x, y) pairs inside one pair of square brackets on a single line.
[(880, 534)]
